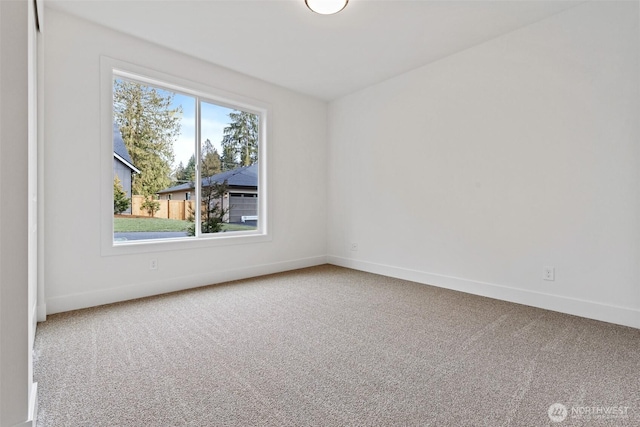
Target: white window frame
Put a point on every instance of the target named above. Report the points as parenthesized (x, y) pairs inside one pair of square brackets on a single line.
[(111, 68)]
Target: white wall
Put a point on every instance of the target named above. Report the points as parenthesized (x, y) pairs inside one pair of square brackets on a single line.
[(476, 171), (471, 173), (15, 381), (76, 273)]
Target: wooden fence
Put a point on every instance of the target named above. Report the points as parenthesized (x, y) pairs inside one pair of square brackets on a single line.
[(171, 209)]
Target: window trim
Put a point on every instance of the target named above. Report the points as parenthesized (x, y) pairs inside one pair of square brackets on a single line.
[(109, 68)]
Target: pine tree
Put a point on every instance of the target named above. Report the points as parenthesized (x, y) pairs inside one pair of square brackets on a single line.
[(150, 205), (185, 174), (211, 193), (211, 162), (240, 140), (120, 200), (213, 214), (178, 174), (149, 127), (228, 158)]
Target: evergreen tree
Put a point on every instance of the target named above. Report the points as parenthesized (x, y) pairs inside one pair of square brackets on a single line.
[(213, 214), (228, 158), (120, 200), (185, 174), (178, 174), (150, 205), (240, 140), (211, 162), (149, 127), (211, 192)]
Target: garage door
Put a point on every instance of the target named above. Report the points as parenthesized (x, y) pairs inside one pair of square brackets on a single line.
[(242, 205)]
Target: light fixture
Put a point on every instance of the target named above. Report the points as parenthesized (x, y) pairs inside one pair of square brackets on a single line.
[(326, 7)]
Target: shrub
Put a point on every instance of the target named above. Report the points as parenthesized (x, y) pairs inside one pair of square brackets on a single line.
[(120, 201), (150, 205), (212, 212)]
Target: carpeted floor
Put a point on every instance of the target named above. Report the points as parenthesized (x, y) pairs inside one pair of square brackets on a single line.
[(328, 346)]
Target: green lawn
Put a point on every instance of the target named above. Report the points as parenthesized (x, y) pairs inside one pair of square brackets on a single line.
[(131, 225)]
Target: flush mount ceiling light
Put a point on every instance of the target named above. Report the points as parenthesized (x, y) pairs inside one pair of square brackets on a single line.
[(326, 7)]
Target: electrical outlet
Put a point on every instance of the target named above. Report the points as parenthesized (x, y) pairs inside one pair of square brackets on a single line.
[(354, 247), (549, 273), (153, 264)]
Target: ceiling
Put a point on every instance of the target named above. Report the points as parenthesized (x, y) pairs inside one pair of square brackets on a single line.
[(282, 42)]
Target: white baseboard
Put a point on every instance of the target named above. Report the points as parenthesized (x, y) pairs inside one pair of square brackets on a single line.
[(33, 404), (141, 290), (577, 307), (33, 408), (41, 312)]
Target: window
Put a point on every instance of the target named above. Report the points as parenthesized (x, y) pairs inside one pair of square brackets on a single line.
[(184, 151)]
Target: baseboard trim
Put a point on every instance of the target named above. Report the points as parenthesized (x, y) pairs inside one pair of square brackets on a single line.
[(574, 306), (41, 311), (33, 404), (123, 293), (33, 409)]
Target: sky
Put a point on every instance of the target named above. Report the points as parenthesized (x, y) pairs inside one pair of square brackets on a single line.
[(214, 119)]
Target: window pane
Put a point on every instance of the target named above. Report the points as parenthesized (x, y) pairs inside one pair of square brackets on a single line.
[(229, 157), (153, 161), (182, 167)]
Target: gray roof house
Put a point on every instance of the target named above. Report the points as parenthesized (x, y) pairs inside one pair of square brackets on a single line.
[(241, 198), (123, 167)]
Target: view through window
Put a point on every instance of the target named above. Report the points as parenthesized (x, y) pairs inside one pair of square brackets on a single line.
[(183, 166)]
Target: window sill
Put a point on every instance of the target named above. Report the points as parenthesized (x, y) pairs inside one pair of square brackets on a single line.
[(183, 243)]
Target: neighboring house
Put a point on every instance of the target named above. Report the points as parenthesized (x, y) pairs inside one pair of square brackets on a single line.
[(241, 198), (123, 167)]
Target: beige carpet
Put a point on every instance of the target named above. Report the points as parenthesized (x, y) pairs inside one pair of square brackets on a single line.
[(329, 346)]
